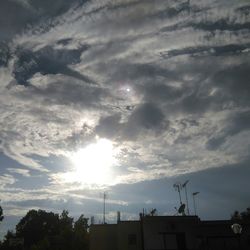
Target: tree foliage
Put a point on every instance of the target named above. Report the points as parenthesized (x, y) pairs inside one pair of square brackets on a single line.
[(1, 214), (81, 236), (241, 216), (41, 230), (245, 215)]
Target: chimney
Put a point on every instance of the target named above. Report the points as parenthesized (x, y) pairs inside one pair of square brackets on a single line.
[(92, 220), (118, 216)]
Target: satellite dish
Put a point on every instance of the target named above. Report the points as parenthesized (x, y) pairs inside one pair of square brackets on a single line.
[(181, 209), (237, 228)]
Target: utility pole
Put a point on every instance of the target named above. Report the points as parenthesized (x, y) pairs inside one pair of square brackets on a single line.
[(104, 206)]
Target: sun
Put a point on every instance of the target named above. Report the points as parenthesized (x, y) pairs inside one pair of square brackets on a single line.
[(93, 163)]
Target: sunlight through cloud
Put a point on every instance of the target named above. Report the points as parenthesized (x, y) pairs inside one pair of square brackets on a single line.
[(93, 164)]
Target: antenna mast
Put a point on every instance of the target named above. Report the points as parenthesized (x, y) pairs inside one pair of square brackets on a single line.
[(194, 194), (185, 187), (178, 187), (104, 206)]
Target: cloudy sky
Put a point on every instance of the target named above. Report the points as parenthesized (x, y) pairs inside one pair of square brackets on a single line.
[(127, 97)]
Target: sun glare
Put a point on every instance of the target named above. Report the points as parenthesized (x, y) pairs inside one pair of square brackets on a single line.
[(93, 164)]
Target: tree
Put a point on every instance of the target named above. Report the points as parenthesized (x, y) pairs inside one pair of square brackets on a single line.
[(36, 226), (241, 216), (236, 216), (43, 230), (81, 236), (1, 214), (65, 236), (245, 215), (7, 237)]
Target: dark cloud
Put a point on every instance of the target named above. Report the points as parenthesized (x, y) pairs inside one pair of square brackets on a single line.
[(48, 8), (207, 50), (16, 16), (147, 116), (237, 123), (141, 71), (172, 12), (206, 22), (196, 103), (234, 83), (187, 122), (161, 93), (109, 127), (47, 61), (13, 18), (245, 10), (215, 142), (214, 86), (64, 41), (67, 92), (5, 54), (222, 25)]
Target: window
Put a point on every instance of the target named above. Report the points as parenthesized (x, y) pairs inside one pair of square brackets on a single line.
[(132, 239)]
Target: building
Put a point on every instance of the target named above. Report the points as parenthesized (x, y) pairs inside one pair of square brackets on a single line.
[(168, 232)]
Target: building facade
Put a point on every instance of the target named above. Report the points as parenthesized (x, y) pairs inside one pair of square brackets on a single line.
[(169, 233)]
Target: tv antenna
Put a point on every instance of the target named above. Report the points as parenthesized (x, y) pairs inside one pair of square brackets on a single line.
[(194, 194), (104, 206), (184, 185), (178, 187)]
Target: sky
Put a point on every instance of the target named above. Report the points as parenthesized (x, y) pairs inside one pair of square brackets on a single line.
[(127, 97)]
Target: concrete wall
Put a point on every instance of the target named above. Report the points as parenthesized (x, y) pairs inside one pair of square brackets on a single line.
[(218, 235), (126, 235), (169, 232), (103, 237), (129, 235)]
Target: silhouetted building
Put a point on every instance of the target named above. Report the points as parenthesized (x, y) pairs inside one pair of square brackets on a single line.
[(168, 232)]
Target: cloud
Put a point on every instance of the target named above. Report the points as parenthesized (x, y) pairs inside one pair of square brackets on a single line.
[(162, 80), (109, 126), (236, 124), (6, 180), (47, 61), (146, 116), (208, 50), (23, 172), (233, 82), (4, 54), (166, 82), (23, 13)]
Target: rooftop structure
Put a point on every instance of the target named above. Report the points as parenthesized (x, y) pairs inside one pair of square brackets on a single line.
[(168, 232)]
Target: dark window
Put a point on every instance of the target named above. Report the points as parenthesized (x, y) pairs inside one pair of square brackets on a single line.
[(132, 239)]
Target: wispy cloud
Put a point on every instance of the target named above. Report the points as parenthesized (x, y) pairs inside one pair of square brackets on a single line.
[(23, 172), (6, 180)]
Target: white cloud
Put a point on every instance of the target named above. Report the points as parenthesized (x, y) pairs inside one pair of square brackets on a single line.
[(23, 172), (6, 180)]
